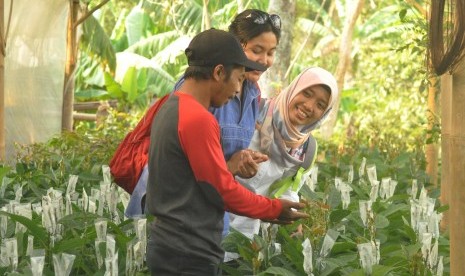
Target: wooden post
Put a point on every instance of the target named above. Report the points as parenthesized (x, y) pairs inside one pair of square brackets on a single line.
[(431, 150), (457, 161), (446, 114), (71, 55)]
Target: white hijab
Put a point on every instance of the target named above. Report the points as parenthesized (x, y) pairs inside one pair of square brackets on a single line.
[(291, 135)]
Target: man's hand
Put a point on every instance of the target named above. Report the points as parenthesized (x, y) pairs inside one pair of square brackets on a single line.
[(244, 163), (289, 214)]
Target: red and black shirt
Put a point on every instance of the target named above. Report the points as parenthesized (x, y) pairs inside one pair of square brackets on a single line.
[(189, 185)]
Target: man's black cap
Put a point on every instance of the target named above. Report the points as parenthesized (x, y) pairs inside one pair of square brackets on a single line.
[(213, 47)]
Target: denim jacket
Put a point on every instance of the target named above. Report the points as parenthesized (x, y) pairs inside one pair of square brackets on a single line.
[(237, 119)]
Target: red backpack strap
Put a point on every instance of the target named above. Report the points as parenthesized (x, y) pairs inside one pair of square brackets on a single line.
[(130, 157)]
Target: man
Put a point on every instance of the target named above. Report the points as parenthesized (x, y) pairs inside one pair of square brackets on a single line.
[(189, 185)]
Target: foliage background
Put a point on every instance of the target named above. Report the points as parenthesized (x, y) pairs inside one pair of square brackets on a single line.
[(132, 51), (383, 103)]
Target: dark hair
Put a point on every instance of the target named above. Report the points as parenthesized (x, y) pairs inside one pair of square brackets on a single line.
[(205, 72), (199, 72), (245, 29)]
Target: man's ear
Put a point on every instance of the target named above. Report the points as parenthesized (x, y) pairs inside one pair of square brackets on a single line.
[(218, 72)]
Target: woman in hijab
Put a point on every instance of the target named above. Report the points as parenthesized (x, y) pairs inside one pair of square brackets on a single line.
[(284, 134)]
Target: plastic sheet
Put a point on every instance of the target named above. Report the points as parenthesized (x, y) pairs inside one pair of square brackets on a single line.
[(37, 265), (307, 251), (34, 71), (63, 263)]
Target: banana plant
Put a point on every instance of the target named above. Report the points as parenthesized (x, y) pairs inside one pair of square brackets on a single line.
[(141, 55)]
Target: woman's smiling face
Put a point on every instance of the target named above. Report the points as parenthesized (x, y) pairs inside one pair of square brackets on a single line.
[(260, 49), (309, 105)]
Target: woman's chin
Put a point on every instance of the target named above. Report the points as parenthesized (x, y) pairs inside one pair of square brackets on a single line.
[(254, 76)]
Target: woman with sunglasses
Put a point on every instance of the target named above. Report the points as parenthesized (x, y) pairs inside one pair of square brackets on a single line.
[(259, 34)]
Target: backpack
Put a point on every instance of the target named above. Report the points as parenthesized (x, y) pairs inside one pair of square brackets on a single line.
[(131, 156)]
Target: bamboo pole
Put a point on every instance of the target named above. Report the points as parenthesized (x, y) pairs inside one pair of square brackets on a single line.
[(79, 116), (446, 114), (94, 105), (431, 150), (457, 161), (71, 60), (71, 55)]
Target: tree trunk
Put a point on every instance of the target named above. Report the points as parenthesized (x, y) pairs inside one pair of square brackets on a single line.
[(431, 150), (2, 84), (71, 58), (206, 24), (345, 50), (446, 117), (457, 161), (275, 74)]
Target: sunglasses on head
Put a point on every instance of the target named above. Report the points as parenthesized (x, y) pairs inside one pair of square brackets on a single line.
[(262, 18)]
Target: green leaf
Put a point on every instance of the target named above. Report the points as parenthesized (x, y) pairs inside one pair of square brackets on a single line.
[(358, 272), (70, 244), (4, 170), (395, 209), (79, 220), (310, 195), (377, 270), (134, 24), (382, 236), (337, 215), (21, 168), (120, 236), (142, 79), (276, 271), (129, 84), (90, 94), (343, 247), (390, 249), (334, 198), (408, 231), (399, 197), (434, 193), (113, 88), (396, 260), (402, 14), (98, 43), (361, 192), (442, 209), (412, 249), (381, 221), (331, 267), (39, 232)]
